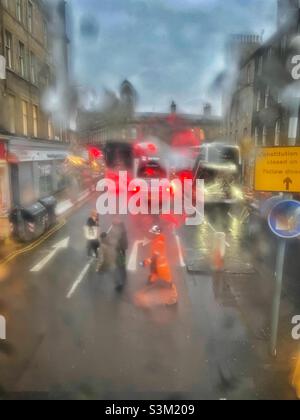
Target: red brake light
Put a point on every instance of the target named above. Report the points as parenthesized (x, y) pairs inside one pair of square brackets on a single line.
[(152, 148), (95, 153), (149, 172)]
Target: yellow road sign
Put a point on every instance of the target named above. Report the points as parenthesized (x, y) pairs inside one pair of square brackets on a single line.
[(277, 169)]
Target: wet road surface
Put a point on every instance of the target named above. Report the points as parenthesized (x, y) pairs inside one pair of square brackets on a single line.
[(71, 334)]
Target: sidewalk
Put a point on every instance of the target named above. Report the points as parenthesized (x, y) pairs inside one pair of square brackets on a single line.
[(247, 283), (63, 208), (254, 296)]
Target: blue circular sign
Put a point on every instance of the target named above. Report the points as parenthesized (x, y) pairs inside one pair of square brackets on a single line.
[(284, 219), (267, 205)]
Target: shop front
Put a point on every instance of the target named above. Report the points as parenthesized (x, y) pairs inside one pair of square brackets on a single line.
[(36, 170), (4, 191)]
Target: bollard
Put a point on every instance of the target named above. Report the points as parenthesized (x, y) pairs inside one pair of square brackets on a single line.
[(219, 251)]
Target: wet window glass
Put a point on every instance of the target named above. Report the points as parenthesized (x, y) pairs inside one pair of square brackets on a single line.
[(150, 202)]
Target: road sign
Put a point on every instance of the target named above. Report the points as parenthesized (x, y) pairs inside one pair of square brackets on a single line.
[(284, 219), (277, 169), (267, 205)]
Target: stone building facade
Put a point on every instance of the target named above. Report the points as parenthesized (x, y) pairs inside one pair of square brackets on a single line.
[(32, 146), (121, 123), (264, 104)]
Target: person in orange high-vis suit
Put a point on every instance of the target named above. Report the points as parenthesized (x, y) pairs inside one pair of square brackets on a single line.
[(160, 270)]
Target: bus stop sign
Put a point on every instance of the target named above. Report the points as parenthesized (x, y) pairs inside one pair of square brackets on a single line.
[(284, 219), (277, 169)]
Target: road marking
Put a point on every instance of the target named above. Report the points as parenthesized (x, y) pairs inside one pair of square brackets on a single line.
[(63, 207), (132, 263), (79, 280), (57, 247), (180, 254), (34, 245)]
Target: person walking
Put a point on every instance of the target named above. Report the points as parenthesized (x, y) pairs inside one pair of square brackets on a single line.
[(106, 255), (119, 240), (92, 234)]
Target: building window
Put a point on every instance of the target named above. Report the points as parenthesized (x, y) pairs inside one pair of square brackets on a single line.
[(267, 96), (32, 68), (8, 49), (134, 134), (260, 65), (11, 114), (256, 137), (264, 138), (45, 33), (45, 180), (249, 74), (277, 133), (258, 101), (50, 129), (25, 117), (3, 192), (283, 45), (35, 113), (22, 59), (19, 10), (30, 17), (270, 52)]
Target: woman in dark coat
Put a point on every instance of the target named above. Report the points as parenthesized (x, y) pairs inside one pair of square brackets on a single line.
[(119, 239)]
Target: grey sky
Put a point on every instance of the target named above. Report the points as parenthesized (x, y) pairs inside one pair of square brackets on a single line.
[(169, 49)]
